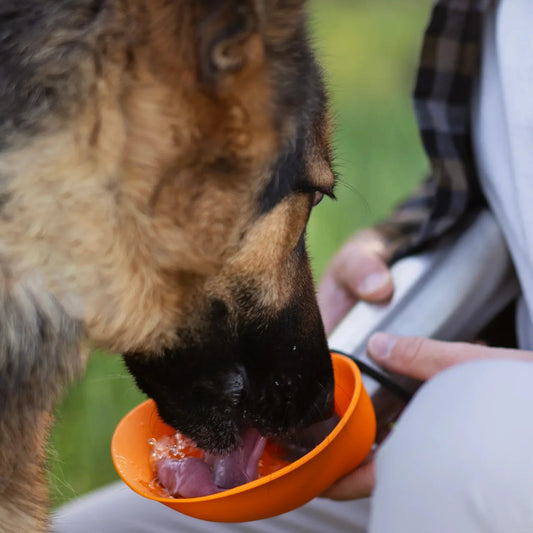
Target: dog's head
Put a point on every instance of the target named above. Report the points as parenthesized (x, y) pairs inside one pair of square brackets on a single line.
[(252, 351), (183, 144)]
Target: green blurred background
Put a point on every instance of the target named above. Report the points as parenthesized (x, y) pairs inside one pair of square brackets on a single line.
[(369, 50)]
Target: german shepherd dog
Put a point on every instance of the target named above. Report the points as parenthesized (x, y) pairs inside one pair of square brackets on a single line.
[(159, 160)]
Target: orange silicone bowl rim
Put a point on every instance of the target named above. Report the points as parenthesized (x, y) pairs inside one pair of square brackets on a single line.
[(283, 490)]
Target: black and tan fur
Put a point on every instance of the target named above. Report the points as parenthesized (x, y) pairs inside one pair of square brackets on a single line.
[(158, 163)]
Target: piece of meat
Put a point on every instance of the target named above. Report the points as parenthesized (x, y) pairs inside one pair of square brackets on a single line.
[(189, 477)]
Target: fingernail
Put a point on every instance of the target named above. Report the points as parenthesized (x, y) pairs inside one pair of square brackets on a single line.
[(380, 345), (373, 282)]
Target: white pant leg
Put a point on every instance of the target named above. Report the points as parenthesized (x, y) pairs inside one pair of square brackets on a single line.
[(117, 509), (460, 460)]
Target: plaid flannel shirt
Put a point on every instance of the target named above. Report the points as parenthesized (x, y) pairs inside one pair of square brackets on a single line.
[(449, 64)]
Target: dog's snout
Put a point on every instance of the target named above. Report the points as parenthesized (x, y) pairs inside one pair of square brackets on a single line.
[(266, 369)]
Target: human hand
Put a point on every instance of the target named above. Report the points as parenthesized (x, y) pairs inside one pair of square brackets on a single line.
[(421, 359), (358, 272)]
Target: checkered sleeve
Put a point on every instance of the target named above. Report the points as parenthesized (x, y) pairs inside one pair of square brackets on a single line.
[(448, 65)]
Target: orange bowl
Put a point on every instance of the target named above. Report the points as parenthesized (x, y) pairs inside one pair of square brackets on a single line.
[(287, 488)]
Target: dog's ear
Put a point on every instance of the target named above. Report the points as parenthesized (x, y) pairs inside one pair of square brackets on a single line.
[(231, 33), (224, 38)]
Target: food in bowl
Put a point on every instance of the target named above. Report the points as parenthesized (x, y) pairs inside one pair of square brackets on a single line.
[(184, 470)]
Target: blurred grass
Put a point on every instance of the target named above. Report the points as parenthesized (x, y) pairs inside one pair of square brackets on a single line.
[(369, 50)]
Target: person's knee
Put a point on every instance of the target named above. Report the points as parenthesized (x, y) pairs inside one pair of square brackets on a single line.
[(463, 441), (466, 417)]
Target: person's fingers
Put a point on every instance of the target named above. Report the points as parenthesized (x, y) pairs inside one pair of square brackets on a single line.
[(359, 271), (355, 485), (364, 275), (422, 358)]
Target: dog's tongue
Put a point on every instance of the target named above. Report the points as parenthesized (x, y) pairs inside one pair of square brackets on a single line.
[(192, 477), (240, 466)]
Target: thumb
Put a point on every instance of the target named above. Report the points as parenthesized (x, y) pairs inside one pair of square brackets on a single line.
[(422, 358)]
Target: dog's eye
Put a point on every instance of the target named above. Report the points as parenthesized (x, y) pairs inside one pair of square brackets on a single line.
[(318, 197), (318, 194)]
